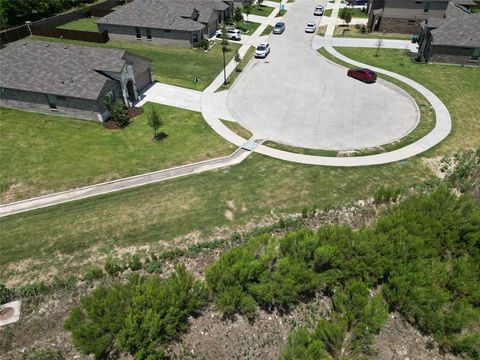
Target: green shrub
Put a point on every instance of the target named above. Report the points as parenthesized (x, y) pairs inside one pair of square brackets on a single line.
[(154, 267), (112, 269), (44, 354), (33, 289), (93, 274), (140, 317), (5, 294), (135, 263)]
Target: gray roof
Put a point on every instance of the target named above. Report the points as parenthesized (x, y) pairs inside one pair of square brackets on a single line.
[(463, 32), (452, 12), (465, 2), (58, 69), (165, 14)]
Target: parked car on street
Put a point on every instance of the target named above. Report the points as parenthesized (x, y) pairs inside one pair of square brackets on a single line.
[(279, 28), (262, 50), (232, 34), (318, 10), (365, 75), (310, 28)]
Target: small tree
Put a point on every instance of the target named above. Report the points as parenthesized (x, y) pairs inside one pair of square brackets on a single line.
[(155, 122), (237, 16), (346, 15), (379, 45), (247, 9), (259, 3)]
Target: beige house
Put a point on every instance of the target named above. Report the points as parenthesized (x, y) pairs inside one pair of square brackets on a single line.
[(403, 16)]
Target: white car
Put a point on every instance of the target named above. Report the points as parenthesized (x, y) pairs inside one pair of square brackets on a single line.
[(262, 50), (232, 34), (318, 10), (310, 28)]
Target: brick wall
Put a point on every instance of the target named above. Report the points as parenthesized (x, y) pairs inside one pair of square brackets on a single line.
[(452, 55), (404, 26)]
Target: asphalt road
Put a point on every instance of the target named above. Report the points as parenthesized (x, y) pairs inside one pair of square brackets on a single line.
[(295, 96)]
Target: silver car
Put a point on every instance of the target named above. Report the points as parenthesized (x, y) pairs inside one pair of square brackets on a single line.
[(318, 10), (262, 50), (279, 28), (310, 28)]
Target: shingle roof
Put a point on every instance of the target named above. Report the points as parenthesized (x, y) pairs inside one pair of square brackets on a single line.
[(464, 32), (452, 12), (164, 14), (56, 68), (465, 2)]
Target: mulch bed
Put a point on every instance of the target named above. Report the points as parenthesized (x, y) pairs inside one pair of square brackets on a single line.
[(110, 124), (134, 111)]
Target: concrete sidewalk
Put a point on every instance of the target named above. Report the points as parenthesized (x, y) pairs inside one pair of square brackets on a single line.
[(121, 184), (320, 41)]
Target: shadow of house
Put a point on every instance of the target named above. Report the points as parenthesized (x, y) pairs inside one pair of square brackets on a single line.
[(453, 40), (181, 22), (69, 80)]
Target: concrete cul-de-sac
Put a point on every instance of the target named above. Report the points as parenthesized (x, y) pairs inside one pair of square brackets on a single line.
[(297, 97)]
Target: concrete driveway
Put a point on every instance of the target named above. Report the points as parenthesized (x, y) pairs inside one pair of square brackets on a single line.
[(297, 97)]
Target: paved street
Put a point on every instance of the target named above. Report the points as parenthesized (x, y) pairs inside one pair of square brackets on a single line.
[(297, 97)]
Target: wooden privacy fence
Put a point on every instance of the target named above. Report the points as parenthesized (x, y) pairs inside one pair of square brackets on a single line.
[(14, 34), (88, 36)]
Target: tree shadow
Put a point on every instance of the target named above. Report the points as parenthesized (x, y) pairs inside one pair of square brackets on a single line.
[(160, 136)]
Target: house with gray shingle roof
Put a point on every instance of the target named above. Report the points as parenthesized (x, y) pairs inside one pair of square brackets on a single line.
[(176, 22), (69, 80), (454, 39)]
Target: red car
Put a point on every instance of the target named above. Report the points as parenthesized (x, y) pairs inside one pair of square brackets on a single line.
[(365, 75)]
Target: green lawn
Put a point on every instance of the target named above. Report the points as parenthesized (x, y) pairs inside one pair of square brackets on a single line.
[(172, 65), (248, 28), (281, 13), (261, 10), (327, 12), (69, 237), (238, 129), (233, 76), (267, 30), (47, 153), (85, 24), (356, 13), (299, 150), (355, 32)]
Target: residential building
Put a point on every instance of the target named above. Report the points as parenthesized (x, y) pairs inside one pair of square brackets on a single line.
[(403, 16), (453, 40), (179, 22), (69, 80)]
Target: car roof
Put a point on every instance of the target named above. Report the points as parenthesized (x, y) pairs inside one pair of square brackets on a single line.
[(310, 24), (263, 44), (280, 23)]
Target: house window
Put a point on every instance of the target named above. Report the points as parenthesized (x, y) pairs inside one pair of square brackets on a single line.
[(194, 38), (426, 6), (475, 54), (167, 31), (411, 22), (52, 102), (61, 98), (149, 34), (139, 34)]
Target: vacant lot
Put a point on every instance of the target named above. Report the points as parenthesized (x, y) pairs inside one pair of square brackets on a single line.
[(46, 153), (172, 65), (69, 237), (85, 24), (355, 32)]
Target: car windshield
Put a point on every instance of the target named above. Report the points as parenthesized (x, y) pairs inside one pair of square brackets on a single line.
[(261, 47), (310, 25), (278, 24)]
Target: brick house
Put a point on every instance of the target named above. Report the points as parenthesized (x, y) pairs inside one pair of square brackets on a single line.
[(453, 40), (403, 16), (180, 22), (69, 80)]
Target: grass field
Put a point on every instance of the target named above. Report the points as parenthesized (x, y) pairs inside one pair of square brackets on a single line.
[(354, 32), (267, 30), (85, 24), (248, 28), (172, 65), (261, 10), (70, 237), (46, 153), (238, 129), (240, 66)]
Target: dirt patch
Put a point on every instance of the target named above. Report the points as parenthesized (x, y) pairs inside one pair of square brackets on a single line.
[(111, 125), (435, 164), (14, 192), (6, 313), (134, 111), (400, 340), (228, 215)]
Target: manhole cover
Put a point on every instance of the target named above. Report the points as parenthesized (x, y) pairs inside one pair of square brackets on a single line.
[(6, 313)]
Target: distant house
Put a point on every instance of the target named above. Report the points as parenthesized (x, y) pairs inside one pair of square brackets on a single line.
[(69, 80), (454, 40), (178, 22), (403, 16)]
